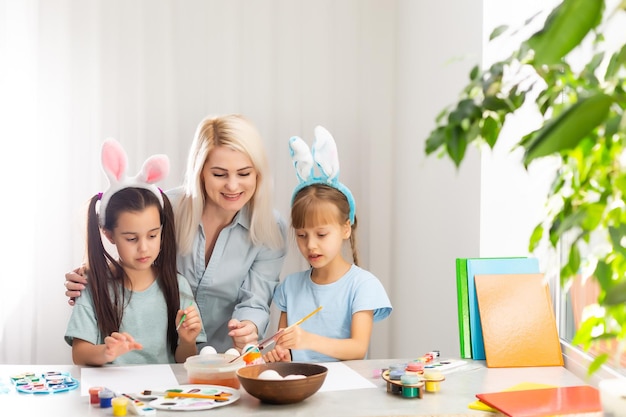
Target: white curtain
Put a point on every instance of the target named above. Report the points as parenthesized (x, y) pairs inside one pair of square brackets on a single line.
[(75, 72), (374, 72)]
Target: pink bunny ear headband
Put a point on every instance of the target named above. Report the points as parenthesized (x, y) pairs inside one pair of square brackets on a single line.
[(114, 162), (324, 156)]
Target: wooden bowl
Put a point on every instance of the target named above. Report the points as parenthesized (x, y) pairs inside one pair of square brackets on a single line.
[(283, 391)]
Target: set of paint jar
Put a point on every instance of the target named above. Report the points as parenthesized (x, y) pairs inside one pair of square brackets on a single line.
[(106, 398), (410, 384), (409, 379)]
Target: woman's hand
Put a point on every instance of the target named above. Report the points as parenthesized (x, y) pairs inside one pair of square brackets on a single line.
[(243, 332), (75, 282)]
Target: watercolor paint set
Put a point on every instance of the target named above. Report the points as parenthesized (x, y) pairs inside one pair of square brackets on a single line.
[(44, 383)]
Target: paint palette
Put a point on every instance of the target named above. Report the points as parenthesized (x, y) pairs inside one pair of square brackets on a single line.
[(44, 383), (188, 403)]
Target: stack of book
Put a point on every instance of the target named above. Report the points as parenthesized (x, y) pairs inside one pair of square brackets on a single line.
[(505, 313)]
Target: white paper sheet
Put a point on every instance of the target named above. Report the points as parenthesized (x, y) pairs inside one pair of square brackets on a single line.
[(128, 379), (340, 377)]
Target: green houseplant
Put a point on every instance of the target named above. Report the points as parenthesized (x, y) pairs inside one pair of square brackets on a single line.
[(583, 125)]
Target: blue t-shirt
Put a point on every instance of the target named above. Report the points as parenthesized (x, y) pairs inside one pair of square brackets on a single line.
[(357, 290), (145, 318)]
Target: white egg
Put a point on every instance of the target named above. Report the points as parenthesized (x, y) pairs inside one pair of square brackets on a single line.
[(232, 351), (295, 376), (208, 350), (270, 375)]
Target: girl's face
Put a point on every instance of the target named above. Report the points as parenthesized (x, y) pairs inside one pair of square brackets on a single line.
[(137, 237), (321, 244), (229, 179)]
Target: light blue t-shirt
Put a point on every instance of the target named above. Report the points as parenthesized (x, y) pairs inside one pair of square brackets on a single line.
[(145, 318), (239, 280), (357, 290)]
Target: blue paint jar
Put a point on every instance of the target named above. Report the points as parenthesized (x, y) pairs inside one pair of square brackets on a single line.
[(105, 397)]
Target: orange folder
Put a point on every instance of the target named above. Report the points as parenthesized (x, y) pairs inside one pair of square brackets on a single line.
[(544, 402), (519, 327)]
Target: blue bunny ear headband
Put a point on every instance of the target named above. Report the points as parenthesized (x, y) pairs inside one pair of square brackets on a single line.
[(322, 155), (114, 162)]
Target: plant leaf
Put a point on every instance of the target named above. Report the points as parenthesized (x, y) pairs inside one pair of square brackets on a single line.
[(436, 139), (617, 61), (569, 128), (490, 130), (498, 31), (566, 26), (616, 294), (597, 363), (456, 144)]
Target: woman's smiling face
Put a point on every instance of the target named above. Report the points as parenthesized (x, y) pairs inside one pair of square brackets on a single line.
[(230, 179)]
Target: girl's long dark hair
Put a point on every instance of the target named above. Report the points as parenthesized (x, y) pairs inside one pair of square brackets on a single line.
[(109, 300)]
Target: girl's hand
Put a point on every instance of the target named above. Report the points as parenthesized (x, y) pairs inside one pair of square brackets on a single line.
[(243, 332), (293, 338), (118, 344), (278, 354), (191, 326)]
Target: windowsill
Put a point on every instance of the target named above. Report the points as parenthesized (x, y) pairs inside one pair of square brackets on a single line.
[(577, 362)]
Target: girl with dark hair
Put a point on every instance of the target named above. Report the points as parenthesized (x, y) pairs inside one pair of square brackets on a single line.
[(132, 306)]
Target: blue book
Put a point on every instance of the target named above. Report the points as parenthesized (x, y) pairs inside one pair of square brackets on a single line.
[(486, 266)]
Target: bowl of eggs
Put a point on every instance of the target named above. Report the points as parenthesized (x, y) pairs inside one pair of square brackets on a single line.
[(282, 382)]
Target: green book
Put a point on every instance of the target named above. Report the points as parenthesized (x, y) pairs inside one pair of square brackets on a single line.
[(465, 341)]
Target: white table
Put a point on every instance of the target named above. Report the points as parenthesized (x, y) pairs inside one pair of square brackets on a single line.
[(457, 391)]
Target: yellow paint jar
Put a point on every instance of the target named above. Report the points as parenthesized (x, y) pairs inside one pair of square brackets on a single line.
[(433, 381), (120, 406)]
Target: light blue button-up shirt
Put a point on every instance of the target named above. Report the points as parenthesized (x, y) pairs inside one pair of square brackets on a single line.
[(238, 282)]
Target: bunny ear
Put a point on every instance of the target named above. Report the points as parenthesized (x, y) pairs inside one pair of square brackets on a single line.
[(156, 168), (302, 159), (325, 153), (113, 159)]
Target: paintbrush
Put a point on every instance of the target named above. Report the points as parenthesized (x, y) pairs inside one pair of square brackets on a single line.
[(175, 394), (266, 342), (182, 319)]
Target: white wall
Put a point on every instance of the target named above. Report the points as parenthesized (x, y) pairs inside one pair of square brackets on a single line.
[(436, 207), (374, 72)]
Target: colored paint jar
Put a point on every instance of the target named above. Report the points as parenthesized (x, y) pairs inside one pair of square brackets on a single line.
[(397, 367), (410, 392), (415, 367), (409, 388), (433, 381), (93, 395), (105, 397), (433, 386), (120, 405)]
